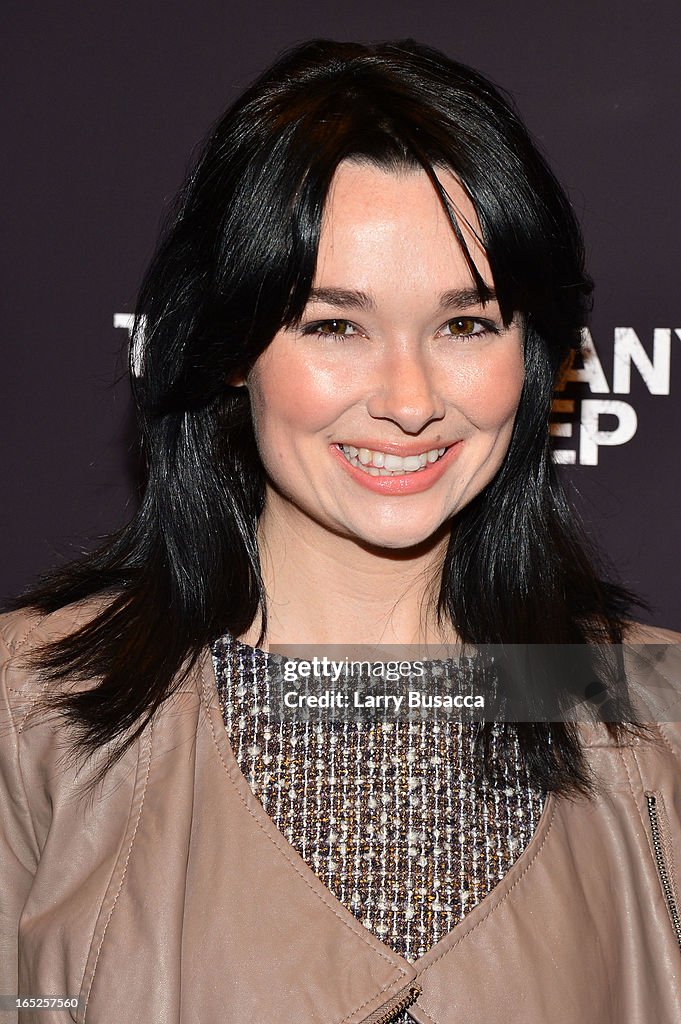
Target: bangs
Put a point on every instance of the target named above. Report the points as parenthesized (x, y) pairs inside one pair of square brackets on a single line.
[(392, 148)]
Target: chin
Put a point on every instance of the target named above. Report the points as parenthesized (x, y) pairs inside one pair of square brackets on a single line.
[(399, 538)]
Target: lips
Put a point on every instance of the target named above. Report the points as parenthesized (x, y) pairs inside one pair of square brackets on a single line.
[(400, 482), (377, 462)]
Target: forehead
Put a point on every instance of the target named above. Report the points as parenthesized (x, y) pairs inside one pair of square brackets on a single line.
[(382, 218)]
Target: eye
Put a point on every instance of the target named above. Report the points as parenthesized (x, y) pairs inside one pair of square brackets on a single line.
[(331, 329), (467, 327)]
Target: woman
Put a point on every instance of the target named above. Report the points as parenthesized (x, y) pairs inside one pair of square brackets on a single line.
[(345, 352)]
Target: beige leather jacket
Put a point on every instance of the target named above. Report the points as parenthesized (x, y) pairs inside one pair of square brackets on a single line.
[(173, 899)]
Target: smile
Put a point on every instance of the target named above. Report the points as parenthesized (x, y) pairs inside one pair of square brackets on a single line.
[(377, 463)]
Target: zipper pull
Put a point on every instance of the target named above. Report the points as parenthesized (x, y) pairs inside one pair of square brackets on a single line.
[(394, 1006)]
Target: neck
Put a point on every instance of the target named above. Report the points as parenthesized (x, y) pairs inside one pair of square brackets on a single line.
[(323, 588)]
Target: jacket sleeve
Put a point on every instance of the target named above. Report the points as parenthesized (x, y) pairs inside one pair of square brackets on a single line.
[(18, 845)]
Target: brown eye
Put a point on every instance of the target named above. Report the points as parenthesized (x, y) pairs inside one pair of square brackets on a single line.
[(334, 327), (331, 329), (464, 326)]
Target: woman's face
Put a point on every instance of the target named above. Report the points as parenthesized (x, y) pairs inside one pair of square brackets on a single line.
[(391, 404)]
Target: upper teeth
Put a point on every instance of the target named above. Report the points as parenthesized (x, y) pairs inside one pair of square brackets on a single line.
[(389, 462)]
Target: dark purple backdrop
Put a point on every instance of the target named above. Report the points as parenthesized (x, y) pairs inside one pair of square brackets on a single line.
[(106, 105)]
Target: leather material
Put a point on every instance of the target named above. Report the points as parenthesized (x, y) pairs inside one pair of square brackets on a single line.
[(170, 897)]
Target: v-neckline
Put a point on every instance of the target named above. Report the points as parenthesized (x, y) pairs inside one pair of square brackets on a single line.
[(447, 942)]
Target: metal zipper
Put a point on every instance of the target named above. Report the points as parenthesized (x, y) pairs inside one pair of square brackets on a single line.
[(662, 870), (398, 1003)]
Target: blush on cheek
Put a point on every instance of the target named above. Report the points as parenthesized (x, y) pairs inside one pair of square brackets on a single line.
[(495, 400), (282, 409)]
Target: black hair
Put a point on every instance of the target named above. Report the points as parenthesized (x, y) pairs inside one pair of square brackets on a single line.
[(236, 263)]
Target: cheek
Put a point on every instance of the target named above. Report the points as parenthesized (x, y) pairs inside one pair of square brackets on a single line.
[(491, 389), (289, 398)]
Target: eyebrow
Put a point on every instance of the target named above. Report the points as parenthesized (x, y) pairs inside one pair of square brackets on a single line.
[(455, 298)]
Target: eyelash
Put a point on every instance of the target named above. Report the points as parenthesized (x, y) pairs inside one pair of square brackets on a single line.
[(488, 327)]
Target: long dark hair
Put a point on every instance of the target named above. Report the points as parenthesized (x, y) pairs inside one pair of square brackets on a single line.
[(235, 264)]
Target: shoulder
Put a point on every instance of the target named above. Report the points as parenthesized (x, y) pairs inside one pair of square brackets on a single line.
[(26, 627), (40, 741), (641, 633), (652, 661), (25, 631), (23, 628)]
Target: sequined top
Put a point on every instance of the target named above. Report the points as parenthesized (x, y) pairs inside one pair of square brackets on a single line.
[(392, 816)]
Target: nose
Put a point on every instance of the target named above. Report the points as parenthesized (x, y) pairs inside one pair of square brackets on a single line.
[(406, 391)]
